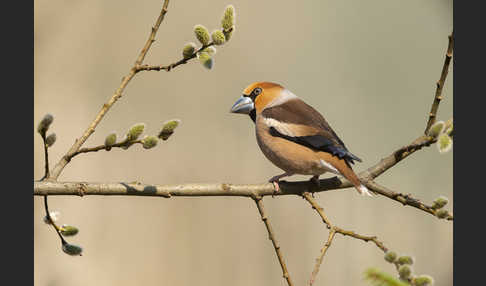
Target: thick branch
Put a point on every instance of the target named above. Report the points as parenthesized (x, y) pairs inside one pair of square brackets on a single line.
[(118, 93), (271, 236), (440, 84)]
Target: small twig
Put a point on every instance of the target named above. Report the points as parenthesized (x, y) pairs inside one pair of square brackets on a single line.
[(271, 236), (406, 200), (151, 38), (324, 249), (440, 84), (365, 238), (106, 107), (46, 156), (173, 65), (104, 147), (51, 221), (332, 232), (318, 208)]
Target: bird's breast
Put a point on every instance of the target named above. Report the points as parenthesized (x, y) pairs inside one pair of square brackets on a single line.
[(287, 155)]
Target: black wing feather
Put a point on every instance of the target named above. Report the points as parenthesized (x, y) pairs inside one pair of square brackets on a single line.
[(299, 112), (321, 143)]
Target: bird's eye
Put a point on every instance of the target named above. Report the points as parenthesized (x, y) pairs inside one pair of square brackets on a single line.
[(257, 91)]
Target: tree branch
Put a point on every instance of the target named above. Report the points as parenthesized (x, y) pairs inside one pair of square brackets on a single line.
[(173, 65), (271, 236), (404, 199), (440, 84), (104, 147), (324, 249), (333, 230), (151, 38), (248, 190), (106, 107)]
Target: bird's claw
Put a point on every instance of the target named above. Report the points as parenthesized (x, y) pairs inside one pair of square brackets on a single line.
[(315, 185), (276, 188)]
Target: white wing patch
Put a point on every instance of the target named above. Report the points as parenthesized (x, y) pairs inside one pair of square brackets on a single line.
[(329, 167), (283, 128)]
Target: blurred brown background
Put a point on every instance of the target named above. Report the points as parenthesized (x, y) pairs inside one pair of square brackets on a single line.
[(369, 67)]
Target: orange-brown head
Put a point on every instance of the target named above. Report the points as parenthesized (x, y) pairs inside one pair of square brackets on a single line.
[(256, 97)]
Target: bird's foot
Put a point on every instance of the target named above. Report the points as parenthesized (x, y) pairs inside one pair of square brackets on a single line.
[(276, 188), (315, 184), (275, 180)]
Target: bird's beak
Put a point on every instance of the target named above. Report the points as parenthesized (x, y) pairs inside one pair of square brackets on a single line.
[(244, 105)]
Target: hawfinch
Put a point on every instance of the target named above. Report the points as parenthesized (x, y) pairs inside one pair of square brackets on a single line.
[(294, 136)]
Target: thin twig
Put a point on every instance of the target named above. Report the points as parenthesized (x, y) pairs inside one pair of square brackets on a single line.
[(173, 65), (46, 156), (440, 84), (365, 238), (271, 236), (104, 147), (324, 249), (151, 38), (333, 230), (51, 221), (318, 208), (179, 62), (106, 107), (406, 200)]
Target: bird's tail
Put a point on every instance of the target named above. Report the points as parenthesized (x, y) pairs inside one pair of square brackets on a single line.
[(347, 172)]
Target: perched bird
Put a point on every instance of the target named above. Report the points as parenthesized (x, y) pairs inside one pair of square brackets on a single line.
[(294, 136)]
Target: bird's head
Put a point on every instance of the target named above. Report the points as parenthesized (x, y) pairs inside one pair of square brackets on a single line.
[(256, 97)]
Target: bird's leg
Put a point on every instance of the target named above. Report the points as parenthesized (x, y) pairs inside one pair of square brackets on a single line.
[(315, 181), (275, 180)]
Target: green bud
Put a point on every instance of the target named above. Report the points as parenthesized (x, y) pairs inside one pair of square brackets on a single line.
[(71, 249), (51, 139), (405, 260), (404, 271), (440, 202), (436, 129), (135, 131), (423, 280), (228, 33), (378, 277), (449, 128), (210, 50), (391, 256), (150, 142), (218, 37), (442, 213), (206, 60), (444, 143), (110, 140), (188, 50), (202, 34), (168, 128), (68, 230), (228, 20), (45, 123)]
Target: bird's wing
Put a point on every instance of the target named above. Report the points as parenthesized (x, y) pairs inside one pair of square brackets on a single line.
[(298, 122)]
